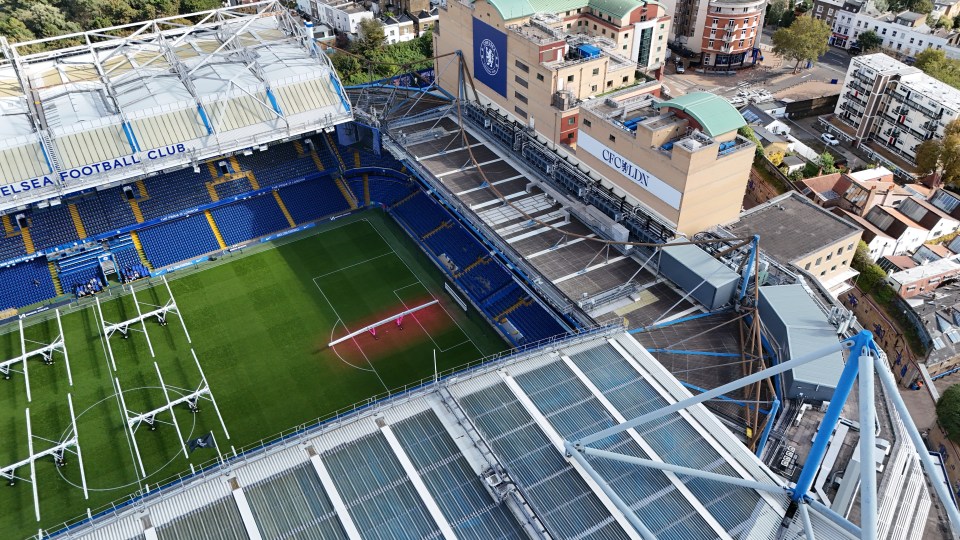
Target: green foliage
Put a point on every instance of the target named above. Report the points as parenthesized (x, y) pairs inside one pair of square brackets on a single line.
[(371, 38), (871, 277), (945, 23), (25, 20), (776, 10), (827, 163), (948, 412), (936, 64), (810, 170), (921, 6), (861, 257), (376, 63), (787, 18), (869, 41), (805, 40), (942, 155), (747, 132)]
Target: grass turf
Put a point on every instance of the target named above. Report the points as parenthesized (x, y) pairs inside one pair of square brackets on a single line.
[(260, 323)]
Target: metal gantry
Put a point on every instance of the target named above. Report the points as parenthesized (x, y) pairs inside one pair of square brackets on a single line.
[(865, 364)]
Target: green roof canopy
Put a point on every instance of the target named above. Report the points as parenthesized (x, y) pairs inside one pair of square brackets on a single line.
[(715, 114), (515, 9)]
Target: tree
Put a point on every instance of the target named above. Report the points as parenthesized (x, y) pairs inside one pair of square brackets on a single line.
[(371, 38), (805, 40), (827, 163), (948, 412), (869, 41), (775, 11), (941, 156), (936, 64), (747, 133), (776, 158), (944, 22), (861, 257), (924, 7), (787, 18)]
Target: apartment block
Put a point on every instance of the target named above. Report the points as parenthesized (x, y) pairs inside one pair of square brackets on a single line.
[(537, 66), (725, 33), (888, 108)]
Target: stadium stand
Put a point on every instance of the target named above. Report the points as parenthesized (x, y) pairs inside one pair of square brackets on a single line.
[(248, 219), (178, 240), (127, 260), (53, 226), (171, 192), (90, 212), (385, 190), (282, 163), (313, 199), (25, 283), (487, 282), (11, 247)]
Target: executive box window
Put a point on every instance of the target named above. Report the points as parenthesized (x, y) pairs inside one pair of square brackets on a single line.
[(520, 111), (521, 82), (520, 65), (520, 97)]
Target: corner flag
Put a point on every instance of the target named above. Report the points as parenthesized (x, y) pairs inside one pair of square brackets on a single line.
[(202, 442)]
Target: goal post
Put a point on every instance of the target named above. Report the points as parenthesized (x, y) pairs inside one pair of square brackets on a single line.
[(370, 327)]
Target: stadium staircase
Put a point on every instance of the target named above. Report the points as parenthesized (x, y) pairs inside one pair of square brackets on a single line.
[(316, 160), (7, 225), (283, 208), (345, 191), (140, 252), (519, 304), (481, 260), (142, 190), (446, 224), (366, 190), (298, 146), (135, 208), (27, 241), (215, 229), (332, 145), (77, 221), (57, 286), (356, 159), (406, 199)]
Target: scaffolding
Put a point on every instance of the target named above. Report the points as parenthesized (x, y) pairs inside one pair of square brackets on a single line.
[(46, 352)]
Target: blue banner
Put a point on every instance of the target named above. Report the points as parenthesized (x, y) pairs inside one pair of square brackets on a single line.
[(490, 56)]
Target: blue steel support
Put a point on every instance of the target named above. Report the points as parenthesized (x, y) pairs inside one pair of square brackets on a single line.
[(131, 138), (832, 417), (771, 418), (724, 397), (46, 157), (678, 321), (273, 102), (751, 262), (340, 91), (696, 353), (206, 121)]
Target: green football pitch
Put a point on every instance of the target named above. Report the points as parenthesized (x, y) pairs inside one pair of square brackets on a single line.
[(260, 323)]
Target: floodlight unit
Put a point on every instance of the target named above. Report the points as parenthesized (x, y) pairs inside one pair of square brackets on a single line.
[(864, 362), (187, 397), (369, 327), (69, 444), (46, 352), (160, 312)]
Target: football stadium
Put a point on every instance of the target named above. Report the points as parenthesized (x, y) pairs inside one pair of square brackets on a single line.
[(242, 301)]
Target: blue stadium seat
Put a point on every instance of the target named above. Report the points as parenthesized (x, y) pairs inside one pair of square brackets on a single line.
[(237, 186), (383, 189), (26, 283), (52, 226), (281, 163), (178, 240), (252, 218), (313, 199), (174, 191), (11, 247), (115, 207), (94, 219), (535, 323)]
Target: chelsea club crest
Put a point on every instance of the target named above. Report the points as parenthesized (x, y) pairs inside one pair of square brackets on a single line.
[(489, 57)]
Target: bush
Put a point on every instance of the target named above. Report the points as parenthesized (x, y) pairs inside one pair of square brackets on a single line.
[(948, 412)]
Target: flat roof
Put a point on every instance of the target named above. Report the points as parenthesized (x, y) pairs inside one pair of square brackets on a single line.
[(881, 62), (515, 9), (934, 89), (715, 114), (791, 227)]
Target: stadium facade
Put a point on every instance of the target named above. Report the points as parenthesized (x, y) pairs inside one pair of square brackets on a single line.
[(142, 98)]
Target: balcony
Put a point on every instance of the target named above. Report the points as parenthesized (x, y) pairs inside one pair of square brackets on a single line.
[(728, 37), (864, 78), (858, 99)]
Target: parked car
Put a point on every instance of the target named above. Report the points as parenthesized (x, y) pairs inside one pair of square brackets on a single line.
[(829, 139), (680, 67)]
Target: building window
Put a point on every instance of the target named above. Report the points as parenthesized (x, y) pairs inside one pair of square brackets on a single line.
[(849, 247), (586, 122), (569, 78), (624, 47), (625, 79), (818, 261), (716, 21), (829, 256), (609, 84), (594, 27), (596, 71), (832, 268), (520, 111), (570, 136), (806, 266), (839, 251), (613, 139), (520, 65), (710, 43), (521, 82), (540, 77), (823, 273), (520, 97), (593, 88), (572, 120), (626, 35)]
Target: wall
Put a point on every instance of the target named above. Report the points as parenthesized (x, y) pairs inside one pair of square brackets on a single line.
[(832, 260)]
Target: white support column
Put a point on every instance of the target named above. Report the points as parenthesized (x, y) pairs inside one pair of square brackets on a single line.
[(335, 500), (26, 374), (417, 482), (557, 442), (63, 348), (249, 523), (143, 324), (672, 477)]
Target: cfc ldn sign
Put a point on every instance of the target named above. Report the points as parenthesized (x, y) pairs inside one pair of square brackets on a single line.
[(490, 56), (658, 188), (63, 177)]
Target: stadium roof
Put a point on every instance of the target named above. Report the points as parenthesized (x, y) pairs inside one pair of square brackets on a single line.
[(145, 97), (715, 114), (443, 461)]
